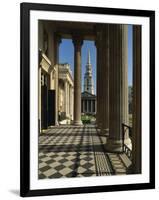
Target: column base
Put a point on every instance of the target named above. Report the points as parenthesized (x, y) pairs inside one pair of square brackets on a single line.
[(56, 123), (113, 145), (99, 125), (104, 131), (78, 123)]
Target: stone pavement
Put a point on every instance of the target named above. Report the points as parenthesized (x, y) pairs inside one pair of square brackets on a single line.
[(76, 151)]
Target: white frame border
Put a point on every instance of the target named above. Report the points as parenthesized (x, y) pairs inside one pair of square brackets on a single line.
[(93, 181)]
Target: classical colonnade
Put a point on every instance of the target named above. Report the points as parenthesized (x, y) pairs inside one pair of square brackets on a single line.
[(112, 72), (68, 99), (88, 106), (112, 99), (112, 83)]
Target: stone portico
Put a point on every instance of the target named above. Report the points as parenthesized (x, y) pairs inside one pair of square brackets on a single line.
[(112, 84), (88, 102)]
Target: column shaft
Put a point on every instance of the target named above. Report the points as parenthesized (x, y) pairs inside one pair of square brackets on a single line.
[(98, 46), (117, 86), (77, 80), (87, 106), (39, 98), (91, 106), (136, 134), (83, 106), (56, 57), (125, 106), (103, 77), (65, 99), (70, 101)]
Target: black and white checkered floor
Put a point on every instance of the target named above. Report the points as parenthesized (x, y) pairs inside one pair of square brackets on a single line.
[(71, 151)]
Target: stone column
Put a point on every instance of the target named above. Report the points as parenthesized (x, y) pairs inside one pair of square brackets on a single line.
[(117, 86), (68, 99), (39, 92), (83, 106), (87, 106), (65, 99), (105, 79), (40, 48), (40, 35), (50, 52), (72, 105), (136, 133), (91, 106), (56, 54), (77, 41), (70, 102), (102, 43), (98, 44), (125, 101)]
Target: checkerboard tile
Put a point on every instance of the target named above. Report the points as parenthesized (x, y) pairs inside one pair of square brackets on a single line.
[(70, 151)]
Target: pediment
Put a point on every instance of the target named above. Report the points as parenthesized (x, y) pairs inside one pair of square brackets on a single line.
[(87, 94)]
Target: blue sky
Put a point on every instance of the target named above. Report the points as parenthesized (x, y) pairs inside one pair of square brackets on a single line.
[(66, 55)]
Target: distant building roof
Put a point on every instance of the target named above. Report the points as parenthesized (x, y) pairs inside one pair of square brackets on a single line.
[(87, 95)]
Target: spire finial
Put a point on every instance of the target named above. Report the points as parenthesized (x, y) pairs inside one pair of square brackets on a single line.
[(89, 57)]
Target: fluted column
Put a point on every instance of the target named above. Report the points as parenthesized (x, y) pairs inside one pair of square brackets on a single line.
[(98, 44), (105, 78), (39, 92), (40, 48), (102, 43), (91, 106), (87, 106), (65, 98), (77, 41), (68, 100), (136, 134), (56, 54), (118, 105), (72, 104), (125, 101)]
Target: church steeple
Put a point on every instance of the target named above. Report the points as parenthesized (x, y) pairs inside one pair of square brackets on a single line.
[(88, 80), (88, 58)]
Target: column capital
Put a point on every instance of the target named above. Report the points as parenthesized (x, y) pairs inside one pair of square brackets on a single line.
[(77, 41), (58, 38), (98, 38)]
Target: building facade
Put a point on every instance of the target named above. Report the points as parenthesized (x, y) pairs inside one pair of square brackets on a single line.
[(65, 92), (88, 98), (88, 104), (55, 88)]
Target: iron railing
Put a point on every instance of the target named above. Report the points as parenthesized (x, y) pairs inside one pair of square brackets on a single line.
[(126, 130)]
